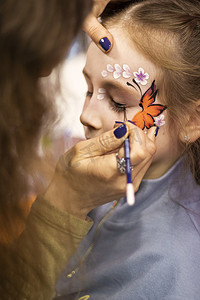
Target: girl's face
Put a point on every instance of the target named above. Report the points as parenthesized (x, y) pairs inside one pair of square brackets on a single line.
[(108, 93)]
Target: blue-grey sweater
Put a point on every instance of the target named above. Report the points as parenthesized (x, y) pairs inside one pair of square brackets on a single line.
[(148, 251)]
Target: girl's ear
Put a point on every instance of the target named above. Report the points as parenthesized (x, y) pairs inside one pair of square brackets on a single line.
[(191, 131)]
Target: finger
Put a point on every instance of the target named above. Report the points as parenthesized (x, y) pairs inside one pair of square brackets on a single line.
[(117, 123), (137, 142), (102, 144), (98, 33), (152, 132), (150, 142), (99, 6), (140, 169), (139, 172), (121, 152), (107, 168)]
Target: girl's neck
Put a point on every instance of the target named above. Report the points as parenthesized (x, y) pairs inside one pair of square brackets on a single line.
[(159, 168)]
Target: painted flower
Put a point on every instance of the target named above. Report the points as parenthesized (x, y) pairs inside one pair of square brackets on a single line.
[(104, 73), (102, 93), (159, 121), (118, 71), (141, 77), (110, 68), (127, 71)]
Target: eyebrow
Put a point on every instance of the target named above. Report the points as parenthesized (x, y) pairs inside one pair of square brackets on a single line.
[(116, 84)]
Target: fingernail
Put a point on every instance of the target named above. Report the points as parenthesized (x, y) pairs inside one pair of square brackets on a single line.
[(131, 122), (105, 43), (119, 122), (120, 131), (156, 131)]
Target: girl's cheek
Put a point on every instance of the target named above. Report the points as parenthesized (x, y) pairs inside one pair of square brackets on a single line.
[(131, 113)]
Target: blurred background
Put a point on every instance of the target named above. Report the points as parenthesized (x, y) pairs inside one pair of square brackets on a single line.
[(68, 130)]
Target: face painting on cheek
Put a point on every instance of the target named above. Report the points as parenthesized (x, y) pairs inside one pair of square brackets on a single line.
[(148, 117)]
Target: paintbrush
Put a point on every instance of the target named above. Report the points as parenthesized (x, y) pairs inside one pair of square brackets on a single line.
[(130, 195)]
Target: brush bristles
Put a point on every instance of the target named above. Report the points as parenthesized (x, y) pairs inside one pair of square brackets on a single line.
[(130, 195)]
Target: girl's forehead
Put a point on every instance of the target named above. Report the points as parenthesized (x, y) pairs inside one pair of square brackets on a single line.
[(123, 53), (123, 63)]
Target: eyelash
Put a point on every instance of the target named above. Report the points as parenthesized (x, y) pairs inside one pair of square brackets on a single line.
[(89, 94), (117, 107)]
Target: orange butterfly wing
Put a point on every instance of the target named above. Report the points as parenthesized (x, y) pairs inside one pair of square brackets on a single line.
[(145, 118), (142, 120)]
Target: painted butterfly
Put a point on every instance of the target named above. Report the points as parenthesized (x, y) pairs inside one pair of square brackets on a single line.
[(145, 118)]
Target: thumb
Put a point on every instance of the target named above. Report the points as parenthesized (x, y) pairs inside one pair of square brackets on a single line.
[(102, 144), (152, 133), (98, 33)]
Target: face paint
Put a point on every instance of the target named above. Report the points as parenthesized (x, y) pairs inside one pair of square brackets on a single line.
[(159, 121), (118, 71), (148, 117), (110, 68), (141, 77), (101, 94), (125, 72), (104, 74), (145, 118)]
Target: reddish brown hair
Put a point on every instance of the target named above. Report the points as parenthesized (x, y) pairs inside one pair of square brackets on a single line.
[(35, 36)]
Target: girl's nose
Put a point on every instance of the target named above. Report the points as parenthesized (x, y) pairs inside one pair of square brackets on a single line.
[(90, 116)]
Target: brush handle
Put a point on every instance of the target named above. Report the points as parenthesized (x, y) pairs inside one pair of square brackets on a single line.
[(129, 187), (128, 160)]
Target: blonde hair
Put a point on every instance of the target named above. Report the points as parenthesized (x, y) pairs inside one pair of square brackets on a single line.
[(168, 33)]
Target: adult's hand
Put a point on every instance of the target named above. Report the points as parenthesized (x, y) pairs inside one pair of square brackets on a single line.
[(99, 34), (87, 175)]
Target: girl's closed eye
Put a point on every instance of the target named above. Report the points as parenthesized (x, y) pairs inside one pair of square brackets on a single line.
[(116, 106)]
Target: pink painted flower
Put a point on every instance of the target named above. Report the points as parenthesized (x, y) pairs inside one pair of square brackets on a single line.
[(141, 77), (159, 121)]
